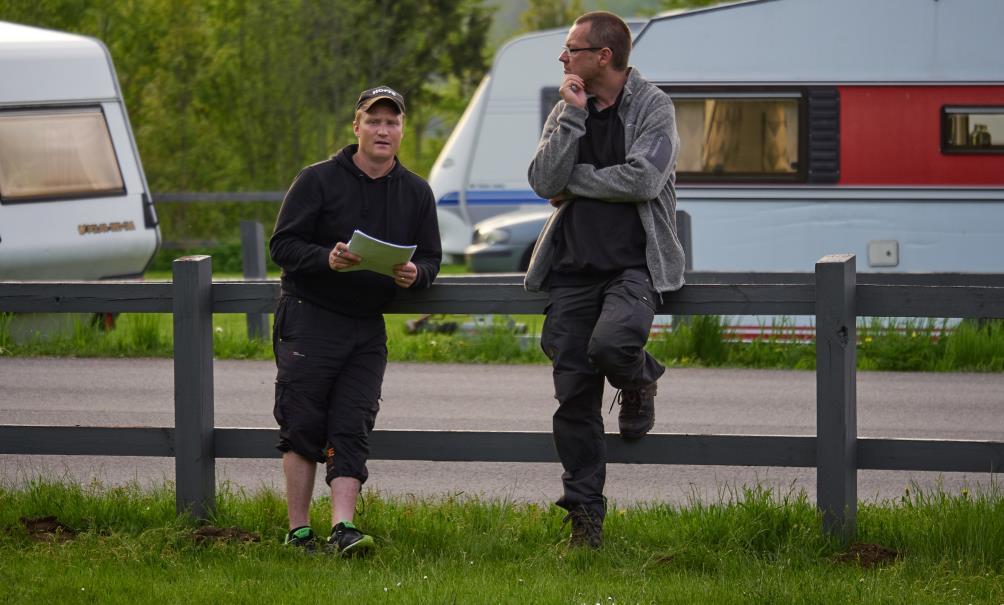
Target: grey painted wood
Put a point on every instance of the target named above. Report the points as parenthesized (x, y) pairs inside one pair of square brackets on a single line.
[(456, 295), (87, 440), (515, 279), (836, 394), (727, 450), (738, 277), (992, 280), (253, 263), (449, 297), (733, 299), (195, 466), (253, 250), (773, 294), (723, 450), (87, 297), (740, 299), (931, 455), (476, 296), (245, 297), (497, 446), (930, 301), (185, 197)]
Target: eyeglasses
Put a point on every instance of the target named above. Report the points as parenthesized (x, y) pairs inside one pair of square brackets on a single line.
[(571, 51)]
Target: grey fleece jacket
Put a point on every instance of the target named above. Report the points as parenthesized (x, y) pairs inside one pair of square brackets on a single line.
[(646, 179)]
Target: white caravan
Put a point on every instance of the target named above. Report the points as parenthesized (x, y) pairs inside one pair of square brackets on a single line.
[(74, 203), (808, 127)]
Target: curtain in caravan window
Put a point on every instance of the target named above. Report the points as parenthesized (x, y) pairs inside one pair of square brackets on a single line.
[(737, 137), (56, 154)]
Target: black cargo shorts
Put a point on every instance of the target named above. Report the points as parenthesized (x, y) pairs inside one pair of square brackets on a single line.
[(328, 383)]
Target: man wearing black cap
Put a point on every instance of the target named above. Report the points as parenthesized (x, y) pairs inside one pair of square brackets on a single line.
[(329, 338)]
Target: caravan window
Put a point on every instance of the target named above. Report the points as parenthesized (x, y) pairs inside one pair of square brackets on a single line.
[(56, 154), (738, 136), (972, 129)]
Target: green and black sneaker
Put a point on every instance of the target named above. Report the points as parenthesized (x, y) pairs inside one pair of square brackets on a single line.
[(302, 537), (348, 541)]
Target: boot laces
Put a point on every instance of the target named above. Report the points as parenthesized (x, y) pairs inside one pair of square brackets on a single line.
[(628, 399)]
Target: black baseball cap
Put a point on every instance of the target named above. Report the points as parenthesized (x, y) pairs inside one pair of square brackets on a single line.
[(370, 96)]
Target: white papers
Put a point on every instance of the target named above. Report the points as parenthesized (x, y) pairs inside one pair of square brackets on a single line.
[(377, 255)]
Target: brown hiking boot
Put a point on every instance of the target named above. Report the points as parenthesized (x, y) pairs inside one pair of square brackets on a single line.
[(637, 415), (587, 528)]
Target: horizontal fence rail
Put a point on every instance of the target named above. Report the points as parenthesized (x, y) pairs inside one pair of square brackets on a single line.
[(186, 197), (834, 294), (959, 456), (479, 295)]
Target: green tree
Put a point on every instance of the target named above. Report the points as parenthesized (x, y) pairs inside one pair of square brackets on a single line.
[(547, 14), (240, 94)]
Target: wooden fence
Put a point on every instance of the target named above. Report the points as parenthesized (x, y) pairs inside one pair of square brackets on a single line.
[(834, 294)]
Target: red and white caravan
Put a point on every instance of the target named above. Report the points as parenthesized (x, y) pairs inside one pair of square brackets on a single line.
[(813, 127)]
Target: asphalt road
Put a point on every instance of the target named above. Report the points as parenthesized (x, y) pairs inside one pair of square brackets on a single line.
[(510, 398)]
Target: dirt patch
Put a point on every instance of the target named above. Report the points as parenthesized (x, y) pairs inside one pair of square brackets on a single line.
[(48, 529), (663, 560), (868, 555), (209, 533)]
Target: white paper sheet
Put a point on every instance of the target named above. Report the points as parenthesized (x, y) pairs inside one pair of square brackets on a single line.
[(377, 255)]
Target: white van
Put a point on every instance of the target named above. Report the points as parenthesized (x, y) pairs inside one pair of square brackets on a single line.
[(74, 202), (808, 127)]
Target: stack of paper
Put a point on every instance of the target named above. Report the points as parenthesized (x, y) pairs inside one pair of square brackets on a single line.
[(377, 255)]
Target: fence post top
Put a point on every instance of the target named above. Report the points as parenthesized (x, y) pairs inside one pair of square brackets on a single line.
[(835, 258), (197, 258)]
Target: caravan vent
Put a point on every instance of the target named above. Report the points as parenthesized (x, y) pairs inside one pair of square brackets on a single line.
[(824, 135)]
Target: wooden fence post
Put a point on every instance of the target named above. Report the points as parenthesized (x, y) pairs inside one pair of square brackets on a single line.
[(195, 460), (253, 263), (836, 394)]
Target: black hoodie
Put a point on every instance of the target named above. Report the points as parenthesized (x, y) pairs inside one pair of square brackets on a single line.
[(325, 204)]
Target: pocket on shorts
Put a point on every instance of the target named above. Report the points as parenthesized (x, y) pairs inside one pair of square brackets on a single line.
[(292, 318)]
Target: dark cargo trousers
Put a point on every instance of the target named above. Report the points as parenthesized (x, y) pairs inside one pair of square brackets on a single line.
[(330, 370), (591, 333)]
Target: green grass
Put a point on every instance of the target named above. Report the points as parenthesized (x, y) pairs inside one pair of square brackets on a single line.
[(883, 344), (703, 341), (751, 547), (136, 335)]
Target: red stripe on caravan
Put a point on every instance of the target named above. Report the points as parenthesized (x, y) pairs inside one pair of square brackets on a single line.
[(891, 135)]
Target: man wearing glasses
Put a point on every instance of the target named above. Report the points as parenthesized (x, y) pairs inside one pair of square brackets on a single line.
[(606, 160)]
